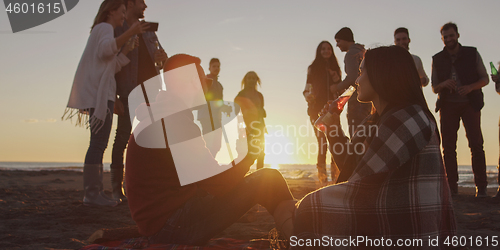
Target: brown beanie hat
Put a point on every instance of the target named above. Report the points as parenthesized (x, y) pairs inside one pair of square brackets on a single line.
[(345, 34)]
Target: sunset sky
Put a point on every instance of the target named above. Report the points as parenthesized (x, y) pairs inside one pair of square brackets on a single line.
[(276, 39)]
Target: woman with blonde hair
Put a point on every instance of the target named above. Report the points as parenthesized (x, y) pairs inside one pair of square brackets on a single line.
[(94, 90), (251, 102)]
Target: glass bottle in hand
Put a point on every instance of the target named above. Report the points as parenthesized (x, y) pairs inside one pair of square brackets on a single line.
[(159, 65), (493, 69), (336, 106)]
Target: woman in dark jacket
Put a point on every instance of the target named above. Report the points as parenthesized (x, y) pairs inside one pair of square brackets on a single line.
[(323, 72)]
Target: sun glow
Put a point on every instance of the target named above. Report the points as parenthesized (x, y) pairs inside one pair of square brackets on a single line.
[(274, 166), (279, 150)]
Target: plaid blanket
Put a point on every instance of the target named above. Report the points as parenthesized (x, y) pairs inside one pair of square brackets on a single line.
[(142, 243), (397, 191)]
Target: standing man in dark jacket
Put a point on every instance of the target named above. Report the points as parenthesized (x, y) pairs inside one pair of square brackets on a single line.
[(496, 79), (213, 134), (356, 111), (458, 74), (145, 63)]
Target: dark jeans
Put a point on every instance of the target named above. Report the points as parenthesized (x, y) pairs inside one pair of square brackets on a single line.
[(356, 113), (204, 216), (123, 130), (451, 113), (498, 166), (261, 144), (99, 140)]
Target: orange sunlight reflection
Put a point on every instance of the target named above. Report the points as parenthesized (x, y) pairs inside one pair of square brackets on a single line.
[(279, 150), (274, 166)]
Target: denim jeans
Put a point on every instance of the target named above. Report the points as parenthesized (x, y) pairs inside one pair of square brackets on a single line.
[(99, 140), (123, 130), (204, 216)]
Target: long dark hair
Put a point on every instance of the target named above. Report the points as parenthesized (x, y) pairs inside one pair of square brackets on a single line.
[(393, 75), (319, 64), (106, 7)]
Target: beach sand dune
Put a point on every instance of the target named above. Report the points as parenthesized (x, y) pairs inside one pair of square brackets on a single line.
[(43, 209)]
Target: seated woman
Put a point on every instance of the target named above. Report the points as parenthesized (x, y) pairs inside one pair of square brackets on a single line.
[(165, 206), (392, 183)]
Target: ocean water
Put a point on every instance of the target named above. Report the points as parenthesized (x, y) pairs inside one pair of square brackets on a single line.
[(465, 175), (289, 171)]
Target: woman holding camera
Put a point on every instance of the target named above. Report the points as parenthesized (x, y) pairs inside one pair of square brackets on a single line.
[(94, 90)]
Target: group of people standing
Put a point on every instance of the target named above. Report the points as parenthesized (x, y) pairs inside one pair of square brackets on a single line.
[(396, 189), (121, 54), (458, 74)]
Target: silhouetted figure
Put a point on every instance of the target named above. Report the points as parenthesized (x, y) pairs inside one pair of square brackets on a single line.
[(323, 72), (141, 68), (356, 111), (251, 103), (94, 91), (496, 79), (458, 74), (211, 120)]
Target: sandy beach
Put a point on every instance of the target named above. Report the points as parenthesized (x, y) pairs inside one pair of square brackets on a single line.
[(43, 210)]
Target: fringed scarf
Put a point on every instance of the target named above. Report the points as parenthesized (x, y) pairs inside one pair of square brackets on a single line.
[(94, 82), (82, 118)]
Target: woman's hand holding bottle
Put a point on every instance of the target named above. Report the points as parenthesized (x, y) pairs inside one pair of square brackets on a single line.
[(160, 56), (331, 111)]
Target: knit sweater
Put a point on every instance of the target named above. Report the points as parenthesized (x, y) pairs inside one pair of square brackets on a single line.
[(94, 83)]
